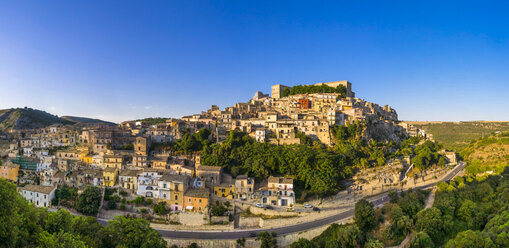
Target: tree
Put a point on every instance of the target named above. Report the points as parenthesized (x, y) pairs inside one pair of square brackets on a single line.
[(160, 208), (89, 230), (89, 201), (469, 239), (373, 243), (218, 209), (18, 219), (112, 204), (132, 233), (430, 221), (421, 240), (268, 240), (365, 215), (393, 195), (302, 243), (59, 240), (59, 221)]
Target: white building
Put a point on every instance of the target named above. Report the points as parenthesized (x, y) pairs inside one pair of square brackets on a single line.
[(39, 195)]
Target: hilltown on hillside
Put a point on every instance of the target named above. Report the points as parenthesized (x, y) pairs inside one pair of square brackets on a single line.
[(122, 156)]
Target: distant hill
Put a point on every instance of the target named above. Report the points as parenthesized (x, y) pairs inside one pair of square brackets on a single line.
[(77, 119), (28, 118), (458, 135)]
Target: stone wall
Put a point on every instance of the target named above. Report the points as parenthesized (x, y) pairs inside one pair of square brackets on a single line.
[(190, 219), (249, 222), (283, 241)]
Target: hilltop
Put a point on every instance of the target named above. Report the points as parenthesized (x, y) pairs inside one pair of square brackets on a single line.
[(28, 118)]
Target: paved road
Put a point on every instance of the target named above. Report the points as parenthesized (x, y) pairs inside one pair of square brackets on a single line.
[(281, 230)]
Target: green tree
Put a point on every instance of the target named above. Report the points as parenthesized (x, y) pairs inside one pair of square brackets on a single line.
[(59, 240), (160, 208), (112, 204), (218, 209), (268, 240), (89, 201), (18, 219), (373, 243), (430, 221), (302, 243), (421, 240), (59, 221), (364, 215), (132, 233), (393, 195), (469, 239)]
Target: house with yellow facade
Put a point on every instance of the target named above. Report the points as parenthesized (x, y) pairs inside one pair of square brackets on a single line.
[(110, 175), (9, 171), (225, 190), (86, 157)]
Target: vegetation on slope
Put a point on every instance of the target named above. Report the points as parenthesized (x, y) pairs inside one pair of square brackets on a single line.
[(27, 118), (457, 135), (465, 213), (487, 154), (23, 225), (317, 169)]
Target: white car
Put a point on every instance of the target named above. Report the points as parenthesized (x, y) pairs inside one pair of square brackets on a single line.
[(259, 205), (308, 206)]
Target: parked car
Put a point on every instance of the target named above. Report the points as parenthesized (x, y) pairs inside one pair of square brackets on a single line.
[(269, 207), (308, 206), (259, 205), (252, 234), (290, 210), (316, 209)]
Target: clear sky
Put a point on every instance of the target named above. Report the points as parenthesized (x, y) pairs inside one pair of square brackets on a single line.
[(119, 60)]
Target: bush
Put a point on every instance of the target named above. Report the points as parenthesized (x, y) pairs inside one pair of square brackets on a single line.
[(122, 206), (112, 205), (160, 208), (143, 210), (139, 200), (123, 193)]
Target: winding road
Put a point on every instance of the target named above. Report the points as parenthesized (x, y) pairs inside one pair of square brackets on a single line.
[(287, 229)]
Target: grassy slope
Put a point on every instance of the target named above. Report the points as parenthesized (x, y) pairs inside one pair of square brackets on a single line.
[(487, 154), (457, 135), (474, 141)]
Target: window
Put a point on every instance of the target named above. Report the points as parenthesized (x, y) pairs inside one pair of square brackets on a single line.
[(189, 200), (199, 201), (176, 198)]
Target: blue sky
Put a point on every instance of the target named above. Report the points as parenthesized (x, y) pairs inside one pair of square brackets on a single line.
[(119, 60)]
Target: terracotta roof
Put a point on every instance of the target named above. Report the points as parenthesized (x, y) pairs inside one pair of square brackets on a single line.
[(199, 193), (39, 188)]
